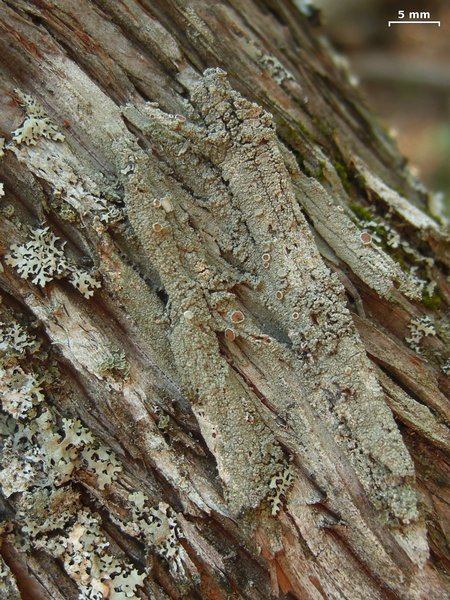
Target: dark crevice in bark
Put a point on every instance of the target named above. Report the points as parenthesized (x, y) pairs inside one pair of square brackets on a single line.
[(400, 383)]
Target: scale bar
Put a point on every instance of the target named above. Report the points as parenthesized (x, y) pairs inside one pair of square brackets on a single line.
[(417, 22)]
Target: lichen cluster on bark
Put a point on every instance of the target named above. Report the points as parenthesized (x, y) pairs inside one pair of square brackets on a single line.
[(223, 334)]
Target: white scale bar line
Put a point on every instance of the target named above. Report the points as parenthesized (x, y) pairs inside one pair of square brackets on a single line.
[(422, 22)]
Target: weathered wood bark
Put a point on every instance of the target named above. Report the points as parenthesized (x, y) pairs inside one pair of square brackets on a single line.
[(252, 403)]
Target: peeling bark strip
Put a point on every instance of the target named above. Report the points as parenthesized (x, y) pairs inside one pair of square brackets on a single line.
[(252, 404)]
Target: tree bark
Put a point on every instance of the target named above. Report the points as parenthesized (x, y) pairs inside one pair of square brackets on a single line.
[(223, 343)]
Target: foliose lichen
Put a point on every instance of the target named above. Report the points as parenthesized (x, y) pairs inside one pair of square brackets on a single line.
[(41, 457), (279, 486), (159, 528), (446, 367), (37, 123), (84, 282), (20, 392), (116, 361), (419, 328), (42, 259), (8, 587), (15, 341)]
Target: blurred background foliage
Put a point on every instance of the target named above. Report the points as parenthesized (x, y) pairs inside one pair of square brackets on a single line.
[(404, 73)]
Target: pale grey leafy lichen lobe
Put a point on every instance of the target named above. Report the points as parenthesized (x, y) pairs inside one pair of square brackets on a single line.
[(37, 123), (40, 457), (231, 157), (41, 259), (43, 458)]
